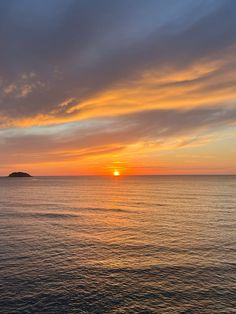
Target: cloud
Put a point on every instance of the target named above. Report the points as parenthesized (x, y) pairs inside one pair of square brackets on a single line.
[(57, 51), (87, 80), (103, 137)]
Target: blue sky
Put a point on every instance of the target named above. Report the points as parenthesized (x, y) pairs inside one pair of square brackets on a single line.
[(87, 85)]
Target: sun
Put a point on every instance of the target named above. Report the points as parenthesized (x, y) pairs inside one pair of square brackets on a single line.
[(116, 173)]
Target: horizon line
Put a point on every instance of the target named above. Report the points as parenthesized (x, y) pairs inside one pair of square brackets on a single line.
[(133, 175)]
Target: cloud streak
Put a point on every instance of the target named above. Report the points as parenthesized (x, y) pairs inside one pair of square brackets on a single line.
[(81, 79), (115, 134), (51, 53)]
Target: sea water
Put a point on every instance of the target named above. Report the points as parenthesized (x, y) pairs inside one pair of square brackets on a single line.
[(141, 244)]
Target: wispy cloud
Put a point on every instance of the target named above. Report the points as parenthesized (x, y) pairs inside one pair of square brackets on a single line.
[(81, 78)]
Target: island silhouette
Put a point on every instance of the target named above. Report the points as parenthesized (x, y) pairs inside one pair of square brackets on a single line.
[(19, 175)]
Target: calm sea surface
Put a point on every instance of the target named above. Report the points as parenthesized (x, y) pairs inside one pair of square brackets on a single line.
[(118, 245)]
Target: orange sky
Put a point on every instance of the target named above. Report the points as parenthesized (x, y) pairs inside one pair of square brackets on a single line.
[(142, 89)]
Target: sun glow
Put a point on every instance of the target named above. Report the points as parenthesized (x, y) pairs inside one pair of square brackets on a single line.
[(116, 173)]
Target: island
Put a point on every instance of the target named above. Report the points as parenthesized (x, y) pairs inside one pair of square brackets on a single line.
[(19, 175)]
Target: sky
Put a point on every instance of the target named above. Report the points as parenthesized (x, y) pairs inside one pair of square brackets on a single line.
[(139, 86)]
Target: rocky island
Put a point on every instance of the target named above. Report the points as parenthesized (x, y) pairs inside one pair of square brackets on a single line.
[(19, 175)]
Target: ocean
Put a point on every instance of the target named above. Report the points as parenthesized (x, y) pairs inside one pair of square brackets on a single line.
[(141, 244)]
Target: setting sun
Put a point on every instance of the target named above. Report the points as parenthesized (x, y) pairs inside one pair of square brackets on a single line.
[(116, 173)]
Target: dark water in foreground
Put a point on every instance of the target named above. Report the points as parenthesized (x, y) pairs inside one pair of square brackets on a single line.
[(118, 245)]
